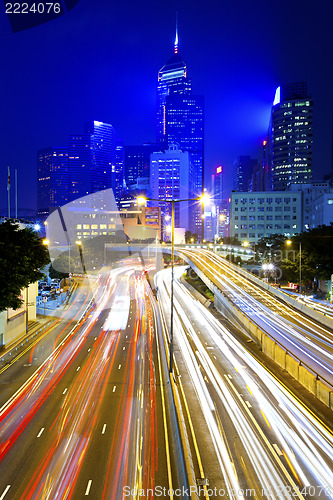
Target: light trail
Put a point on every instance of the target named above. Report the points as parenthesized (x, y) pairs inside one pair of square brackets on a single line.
[(272, 420)]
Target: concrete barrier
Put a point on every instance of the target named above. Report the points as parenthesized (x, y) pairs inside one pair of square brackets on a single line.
[(273, 349)]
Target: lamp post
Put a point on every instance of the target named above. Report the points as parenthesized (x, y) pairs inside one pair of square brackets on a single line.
[(141, 201), (289, 242)]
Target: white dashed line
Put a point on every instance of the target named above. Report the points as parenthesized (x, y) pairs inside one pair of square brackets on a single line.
[(5, 492), (114, 388), (40, 432), (89, 350), (215, 357), (88, 487), (124, 348), (119, 367), (277, 449), (103, 430), (65, 391), (248, 404), (77, 369), (95, 338)]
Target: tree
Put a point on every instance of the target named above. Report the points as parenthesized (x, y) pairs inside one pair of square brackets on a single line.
[(188, 236), (22, 255)]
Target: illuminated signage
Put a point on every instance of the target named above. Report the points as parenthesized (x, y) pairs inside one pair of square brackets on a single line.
[(219, 170)]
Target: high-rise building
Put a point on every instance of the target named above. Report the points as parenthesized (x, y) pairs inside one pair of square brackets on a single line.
[(92, 160), (221, 211), (52, 179), (171, 178), (117, 179), (180, 118), (137, 160), (289, 152), (242, 172)]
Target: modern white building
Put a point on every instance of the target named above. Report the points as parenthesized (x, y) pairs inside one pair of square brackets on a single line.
[(261, 214), (172, 178)]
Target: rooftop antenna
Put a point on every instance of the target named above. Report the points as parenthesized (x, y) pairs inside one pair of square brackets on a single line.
[(176, 39)]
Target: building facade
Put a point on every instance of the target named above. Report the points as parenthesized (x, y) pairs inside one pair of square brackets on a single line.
[(52, 179), (259, 215), (137, 163), (180, 119), (171, 178), (289, 148), (243, 168)]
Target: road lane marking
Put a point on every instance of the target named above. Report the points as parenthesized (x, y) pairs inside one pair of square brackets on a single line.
[(124, 348), (95, 338), (5, 492), (103, 430), (89, 350), (215, 357), (114, 388), (65, 391), (248, 404), (88, 487), (40, 432), (277, 449), (119, 367), (77, 369)]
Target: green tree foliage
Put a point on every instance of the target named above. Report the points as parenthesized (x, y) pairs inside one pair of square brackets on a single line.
[(22, 255), (188, 236)]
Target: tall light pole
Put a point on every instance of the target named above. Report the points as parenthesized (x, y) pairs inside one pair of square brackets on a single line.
[(289, 242), (141, 201)]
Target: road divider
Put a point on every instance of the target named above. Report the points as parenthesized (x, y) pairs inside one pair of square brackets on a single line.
[(284, 357)]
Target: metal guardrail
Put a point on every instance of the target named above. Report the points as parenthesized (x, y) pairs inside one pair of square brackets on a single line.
[(10, 356)]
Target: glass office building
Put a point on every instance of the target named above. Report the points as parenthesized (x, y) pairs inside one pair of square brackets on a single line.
[(290, 136), (52, 179), (180, 118)]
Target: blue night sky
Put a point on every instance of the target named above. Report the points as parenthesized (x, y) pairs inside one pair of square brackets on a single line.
[(100, 61)]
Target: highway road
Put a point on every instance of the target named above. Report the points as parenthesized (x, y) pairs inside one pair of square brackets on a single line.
[(92, 420), (302, 336), (255, 439)]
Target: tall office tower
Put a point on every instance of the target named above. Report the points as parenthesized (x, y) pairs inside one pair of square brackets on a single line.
[(290, 136), (91, 158), (221, 226), (52, 179), (137, 160), (117, 179), (242, 172), (171, 177), (180, 117)]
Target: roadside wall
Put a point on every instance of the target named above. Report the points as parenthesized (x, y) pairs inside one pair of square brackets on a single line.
[(274, 350)]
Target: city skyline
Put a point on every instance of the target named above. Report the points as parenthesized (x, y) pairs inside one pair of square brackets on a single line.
[(237, 109)]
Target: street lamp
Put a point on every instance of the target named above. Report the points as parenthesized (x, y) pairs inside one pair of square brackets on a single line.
[(79, 244), (289, 242), (141, 201)]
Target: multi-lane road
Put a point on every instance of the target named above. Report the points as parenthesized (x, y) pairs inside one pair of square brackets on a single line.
[(305, 338), (87, 409), (254, 438), (92, 419)]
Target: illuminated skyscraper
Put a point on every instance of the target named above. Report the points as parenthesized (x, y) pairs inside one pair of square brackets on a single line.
[(171, 177), (242, 172), (180, 117), (52, 179), (92, 160), (290, 136)]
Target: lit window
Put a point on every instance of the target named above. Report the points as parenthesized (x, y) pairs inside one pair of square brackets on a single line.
[(78, 226)]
